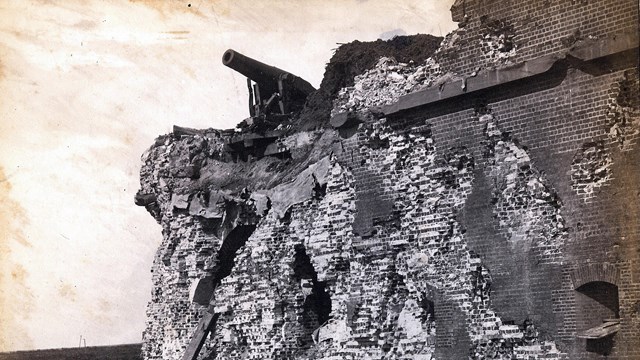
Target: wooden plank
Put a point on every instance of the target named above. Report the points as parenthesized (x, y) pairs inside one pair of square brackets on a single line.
[(200, 335), (601, 331)]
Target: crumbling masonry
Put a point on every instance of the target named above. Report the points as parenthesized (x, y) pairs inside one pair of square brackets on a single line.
[(479, 201)]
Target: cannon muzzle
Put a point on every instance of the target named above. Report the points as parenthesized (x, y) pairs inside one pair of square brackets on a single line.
[(265, 75), (269, 86)]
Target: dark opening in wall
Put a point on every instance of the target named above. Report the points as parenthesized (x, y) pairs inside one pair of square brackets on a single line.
[(600, 308), (600, 346), (319, 190), (319, 301), (210, 226), (227, 253), (428, 307), (603, 293)]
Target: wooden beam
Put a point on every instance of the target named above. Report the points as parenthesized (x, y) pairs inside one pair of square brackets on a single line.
[(200, 335), (600, 331)]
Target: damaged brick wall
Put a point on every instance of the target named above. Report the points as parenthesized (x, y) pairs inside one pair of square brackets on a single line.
[(551, 123), (623, 115), (478, 226), (429, 189), (392, 292), (199, 196), (590, 168), (527, 211), (493, 33)]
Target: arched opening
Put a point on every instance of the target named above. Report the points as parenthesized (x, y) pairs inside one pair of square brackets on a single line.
[(598, 303), (602, 297)]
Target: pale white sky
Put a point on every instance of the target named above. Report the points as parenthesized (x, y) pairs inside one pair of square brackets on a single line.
[(85, 87)]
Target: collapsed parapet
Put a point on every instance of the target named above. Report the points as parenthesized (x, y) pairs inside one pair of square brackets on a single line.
[(450, 223), (200, 171), (209, 199)]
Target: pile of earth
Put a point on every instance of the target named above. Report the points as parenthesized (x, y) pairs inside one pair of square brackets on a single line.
[(353, 59)]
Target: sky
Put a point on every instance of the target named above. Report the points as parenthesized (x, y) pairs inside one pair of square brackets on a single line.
[(85, 87)]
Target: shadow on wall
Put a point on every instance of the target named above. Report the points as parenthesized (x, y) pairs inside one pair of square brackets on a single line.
[(604, 293), (600, 346), (600, 302)]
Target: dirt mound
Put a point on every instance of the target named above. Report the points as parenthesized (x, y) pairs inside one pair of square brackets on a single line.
[(353, 59)]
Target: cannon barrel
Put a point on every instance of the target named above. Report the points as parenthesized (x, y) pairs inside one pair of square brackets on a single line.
[(265, 75)]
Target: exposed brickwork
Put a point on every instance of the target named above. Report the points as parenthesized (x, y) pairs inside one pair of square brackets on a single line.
[(590, 169), (525, 208), (500, 224), (587, 273), (531, 30), (185, 246), (552, 118), (623, 114), (202, 227), (551, 125)]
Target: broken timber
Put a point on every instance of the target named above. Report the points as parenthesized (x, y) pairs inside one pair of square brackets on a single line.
[(204, 328)]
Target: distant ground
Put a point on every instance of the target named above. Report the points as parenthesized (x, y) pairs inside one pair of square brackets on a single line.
[(119, 352)]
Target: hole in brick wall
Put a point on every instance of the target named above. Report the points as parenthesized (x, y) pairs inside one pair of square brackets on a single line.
[(628, 94), (347, 132), (319, 190), (600, 346), (319, 302), (623, 114), (286, 217), (481, 107), (590, 168), (227, 253), (428, 307), (169, 249), (317, 305), (497, 38), (376, 142), (182, 271), (302, 267), (210, 226)]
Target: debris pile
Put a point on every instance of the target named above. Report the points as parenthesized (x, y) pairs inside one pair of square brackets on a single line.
[(385, 83), (353, 59)]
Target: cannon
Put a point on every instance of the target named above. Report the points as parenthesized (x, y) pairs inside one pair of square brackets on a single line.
[(269, 85)]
